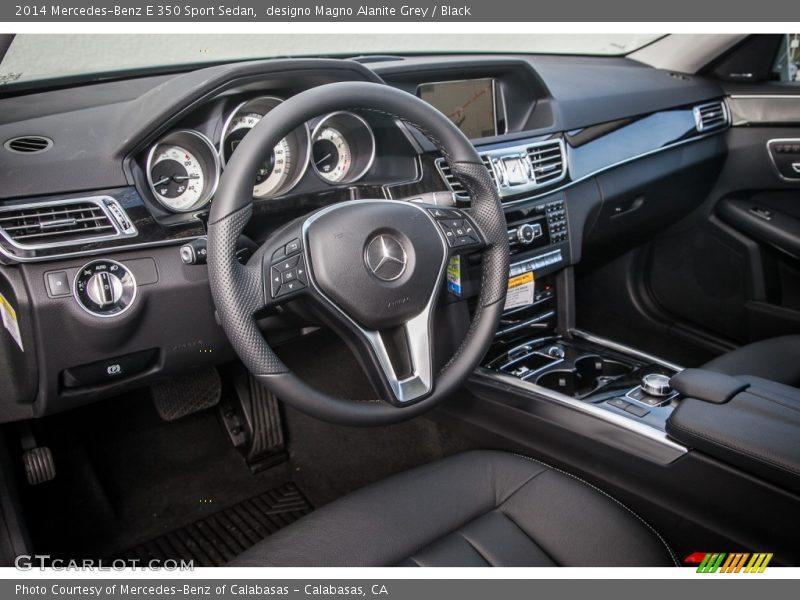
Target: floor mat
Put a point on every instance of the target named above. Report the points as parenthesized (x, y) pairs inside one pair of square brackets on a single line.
[(215, 540)]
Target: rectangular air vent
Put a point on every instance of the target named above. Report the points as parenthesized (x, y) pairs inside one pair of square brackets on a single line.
[(708, 117), (455, 186), (488, 162), (43, 225), (450, 181), (547, 162)]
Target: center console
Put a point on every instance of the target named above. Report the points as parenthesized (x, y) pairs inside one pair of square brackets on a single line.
[(538, 351)]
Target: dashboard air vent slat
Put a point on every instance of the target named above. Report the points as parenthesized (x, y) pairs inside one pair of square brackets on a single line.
[(29, 144), (63, 223), (547, 161), (708, 117), (488, 162), (453, 184)]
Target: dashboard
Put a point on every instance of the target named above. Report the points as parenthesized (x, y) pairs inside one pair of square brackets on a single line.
[(107, 188)]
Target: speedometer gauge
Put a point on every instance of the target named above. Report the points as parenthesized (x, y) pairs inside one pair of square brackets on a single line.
[(282, 169), (343, 147), (178, 178), (183, 170)]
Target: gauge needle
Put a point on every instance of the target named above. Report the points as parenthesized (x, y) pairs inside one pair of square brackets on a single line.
[(161, 182), (324, 158), (179, 178)]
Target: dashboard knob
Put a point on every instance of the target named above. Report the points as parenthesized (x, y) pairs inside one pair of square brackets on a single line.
[(656, 384), (526, 233), (104, 289)]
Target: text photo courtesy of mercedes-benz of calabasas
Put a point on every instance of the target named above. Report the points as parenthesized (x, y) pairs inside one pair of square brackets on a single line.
[(386, 301)]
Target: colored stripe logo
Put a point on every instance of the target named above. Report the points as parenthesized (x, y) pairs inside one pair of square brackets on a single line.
[(735, 562)]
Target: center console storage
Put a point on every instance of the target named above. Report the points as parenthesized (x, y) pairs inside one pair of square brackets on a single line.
[(748, 422)]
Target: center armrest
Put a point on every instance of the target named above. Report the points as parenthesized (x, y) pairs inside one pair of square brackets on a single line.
[(746, 422)]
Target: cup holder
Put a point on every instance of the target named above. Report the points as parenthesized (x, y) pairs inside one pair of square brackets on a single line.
[(593, 367), (560, 380), (589, 374)]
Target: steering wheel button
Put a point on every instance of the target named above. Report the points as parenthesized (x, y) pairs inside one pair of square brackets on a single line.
[(278, 254), (288, 264), (293, 247), (276, 282), (289, 275), (301, 272)]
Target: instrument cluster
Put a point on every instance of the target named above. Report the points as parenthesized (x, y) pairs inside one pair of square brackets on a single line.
[(184, 167)]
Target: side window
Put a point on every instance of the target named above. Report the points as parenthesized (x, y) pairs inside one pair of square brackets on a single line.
[(787, 62)]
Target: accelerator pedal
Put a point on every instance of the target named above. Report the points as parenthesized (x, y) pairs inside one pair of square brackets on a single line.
[(187, 394), (253, 420)]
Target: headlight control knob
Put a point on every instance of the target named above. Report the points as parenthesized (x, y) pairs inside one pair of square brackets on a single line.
[(105, 288)]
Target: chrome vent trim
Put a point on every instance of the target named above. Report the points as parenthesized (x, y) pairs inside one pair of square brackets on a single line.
[(489, 167), (711, 116), (547, 161), (28, 144), (51, 224)]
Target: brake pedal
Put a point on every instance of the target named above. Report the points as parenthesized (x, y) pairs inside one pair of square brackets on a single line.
[(253, 421), (187, 394), (37, 461)]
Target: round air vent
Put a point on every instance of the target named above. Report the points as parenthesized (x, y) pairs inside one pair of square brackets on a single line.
[(29, 144)]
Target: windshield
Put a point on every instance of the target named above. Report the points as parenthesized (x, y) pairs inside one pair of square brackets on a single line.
[(47, 57)]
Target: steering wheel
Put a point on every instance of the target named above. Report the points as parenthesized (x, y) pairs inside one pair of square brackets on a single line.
[(372, 270)]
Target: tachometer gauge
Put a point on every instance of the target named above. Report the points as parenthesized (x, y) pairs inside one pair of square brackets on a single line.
[(183, 170), (343, 147), (282, 169), (331, 155)]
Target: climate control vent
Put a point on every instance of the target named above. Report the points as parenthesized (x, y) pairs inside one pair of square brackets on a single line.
[(488, 163), (64, 223), (453, 184), (29, 144), (547, 162), (708, 117)]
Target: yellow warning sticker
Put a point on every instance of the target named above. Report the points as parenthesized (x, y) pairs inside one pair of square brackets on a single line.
[(10, 320), (520, 291)]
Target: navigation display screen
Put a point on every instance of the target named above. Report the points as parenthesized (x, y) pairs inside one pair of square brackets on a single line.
[(470, 104)]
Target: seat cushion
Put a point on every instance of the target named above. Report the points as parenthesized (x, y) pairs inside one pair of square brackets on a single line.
[(480, 508), (775, 359)]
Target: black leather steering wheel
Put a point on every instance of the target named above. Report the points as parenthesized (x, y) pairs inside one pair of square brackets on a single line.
[(371, 269)]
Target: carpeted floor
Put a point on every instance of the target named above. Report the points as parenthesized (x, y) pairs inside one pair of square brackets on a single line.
[(126, 479)]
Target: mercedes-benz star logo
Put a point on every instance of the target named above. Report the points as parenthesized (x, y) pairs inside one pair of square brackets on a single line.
[(385, 257)]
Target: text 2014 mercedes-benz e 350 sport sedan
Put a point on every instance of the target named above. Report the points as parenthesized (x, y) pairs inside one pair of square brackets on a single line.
[(373, 302)]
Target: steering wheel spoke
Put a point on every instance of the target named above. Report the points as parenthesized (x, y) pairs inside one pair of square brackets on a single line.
[(399, 360)]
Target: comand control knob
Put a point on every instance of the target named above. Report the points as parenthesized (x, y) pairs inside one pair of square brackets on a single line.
[(656, 384), (527, 232), (104, 288)]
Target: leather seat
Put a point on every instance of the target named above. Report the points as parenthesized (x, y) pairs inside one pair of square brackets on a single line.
[(776, 359), (481, 508)]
